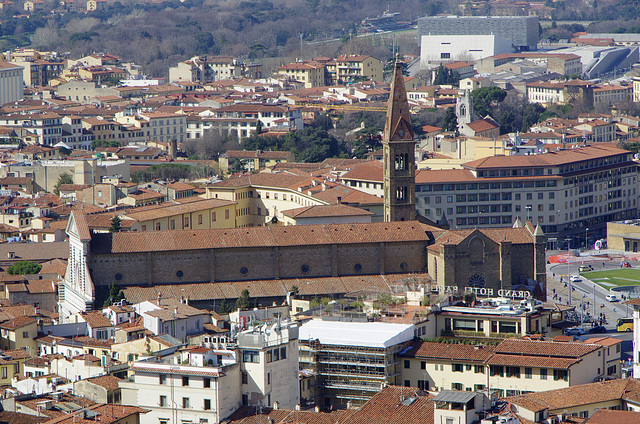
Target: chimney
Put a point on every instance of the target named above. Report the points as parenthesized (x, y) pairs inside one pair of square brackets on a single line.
[(339, 200), (159, 299), (297, 408), (276, 405)]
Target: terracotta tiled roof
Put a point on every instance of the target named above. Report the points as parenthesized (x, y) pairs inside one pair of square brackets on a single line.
[(147, 241), (610, 416), (448, 351), (272, 288), (96, 319), (584, 394), (348, 195), (41, 286), (109, 382), (482, 125), (368, 171), (18, 322), (531, 361), (545, 348), (178, 209), (105, 414)]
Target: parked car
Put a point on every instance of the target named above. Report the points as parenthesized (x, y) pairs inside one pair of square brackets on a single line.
[(585, 268), (612, 298), (598, 329), (575, 279), (574, 331)]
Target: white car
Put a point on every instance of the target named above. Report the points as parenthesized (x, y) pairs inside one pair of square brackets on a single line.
[(575, 279), (574, 331), (612, 298)]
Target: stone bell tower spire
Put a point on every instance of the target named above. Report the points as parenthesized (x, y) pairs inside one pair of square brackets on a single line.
[(399, 154)]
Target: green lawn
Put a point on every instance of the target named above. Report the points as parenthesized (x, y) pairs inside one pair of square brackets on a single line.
[(615, 277)]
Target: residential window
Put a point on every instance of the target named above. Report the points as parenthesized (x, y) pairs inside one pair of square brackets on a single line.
[(200, 219), (185, 381), (207, 404), (496, 370), (268, 356), (4, 372), (283, 353), (251, 356), (163, 400), (456, 367), (513, 372), (456, 386), (226, 214), (423, 365), (207, 383), (163, 379), (543, 373), (245, 377), (527, 372), (268, 378), (478, 369), (185, 403), (25, 334), (407, 364), (560, 375)]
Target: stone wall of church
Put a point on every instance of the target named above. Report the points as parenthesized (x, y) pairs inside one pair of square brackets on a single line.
[(240, 264)]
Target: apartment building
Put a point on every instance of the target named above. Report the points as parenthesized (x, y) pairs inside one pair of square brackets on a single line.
[(611, 95), (10, 83), (352, 361), (308, 72), (207, 384), (261, 197), (571, 193), (549, 93), (350, 68), (205, 69), (513, 367), (46, 125)]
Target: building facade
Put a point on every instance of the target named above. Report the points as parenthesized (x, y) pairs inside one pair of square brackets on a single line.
[(571, 193)]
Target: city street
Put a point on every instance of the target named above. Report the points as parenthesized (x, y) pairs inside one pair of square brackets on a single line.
[(587, 291)]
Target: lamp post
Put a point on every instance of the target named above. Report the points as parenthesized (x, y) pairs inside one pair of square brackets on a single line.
[(568, 240), (586, 239)]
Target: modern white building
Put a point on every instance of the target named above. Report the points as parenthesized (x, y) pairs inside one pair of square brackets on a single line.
[(207, 384), (446, 48), (11, 88), (352, 361)]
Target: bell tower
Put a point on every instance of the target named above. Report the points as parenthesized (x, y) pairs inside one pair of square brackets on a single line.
[(399, 155)]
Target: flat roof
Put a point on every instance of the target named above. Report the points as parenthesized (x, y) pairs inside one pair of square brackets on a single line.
[(454, 396), (365, 334)]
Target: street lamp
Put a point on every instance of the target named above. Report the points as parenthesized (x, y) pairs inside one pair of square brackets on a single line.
[(568, 240), (586, 239)]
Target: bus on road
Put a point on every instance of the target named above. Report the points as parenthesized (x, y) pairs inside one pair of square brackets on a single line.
[(625, 324)]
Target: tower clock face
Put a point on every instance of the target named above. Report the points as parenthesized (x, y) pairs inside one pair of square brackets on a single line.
[(401, 132)]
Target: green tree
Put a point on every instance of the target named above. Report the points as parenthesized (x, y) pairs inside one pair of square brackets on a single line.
[(484, 98), (450, 120), (244, 301), (225, 308), (294, 290), (389, 67), (116, 224), (64, 151), (446, 76), (115, 294), (23, 268), (64, 178), (104, 143)]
